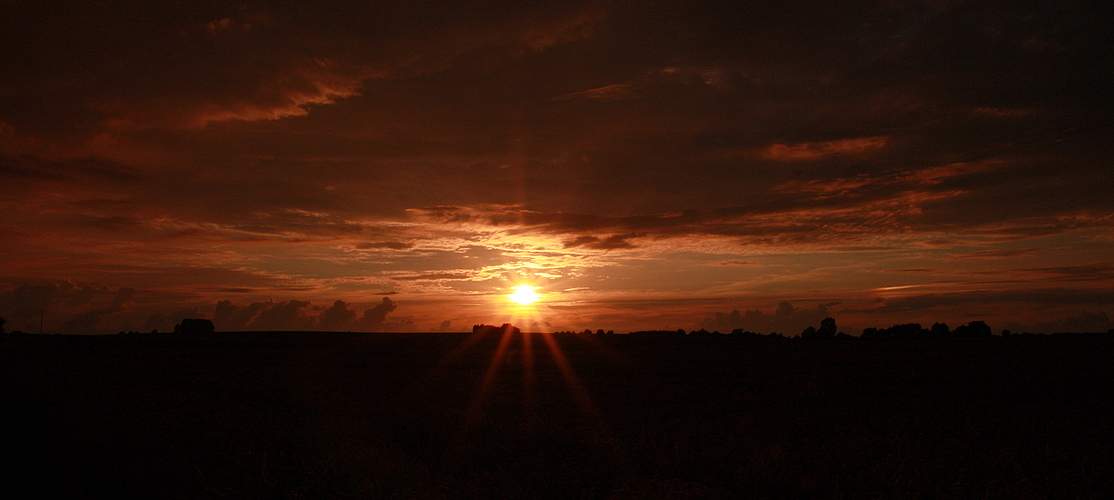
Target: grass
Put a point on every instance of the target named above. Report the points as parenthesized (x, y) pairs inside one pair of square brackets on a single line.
[(290, 415)]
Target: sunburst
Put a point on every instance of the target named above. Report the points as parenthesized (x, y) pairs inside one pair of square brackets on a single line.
[(524, 295)]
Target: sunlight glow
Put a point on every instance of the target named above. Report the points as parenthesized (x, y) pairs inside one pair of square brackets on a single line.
[(524, 294)]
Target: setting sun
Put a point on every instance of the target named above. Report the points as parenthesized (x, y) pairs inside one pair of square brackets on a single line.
[(524, 294)]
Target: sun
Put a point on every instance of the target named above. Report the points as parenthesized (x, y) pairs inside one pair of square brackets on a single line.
[(524, 294)]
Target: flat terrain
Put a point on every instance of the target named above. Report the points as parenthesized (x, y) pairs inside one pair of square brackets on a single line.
[(320, 415)]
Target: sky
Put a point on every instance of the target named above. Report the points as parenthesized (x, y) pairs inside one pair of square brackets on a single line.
[(400, 166)]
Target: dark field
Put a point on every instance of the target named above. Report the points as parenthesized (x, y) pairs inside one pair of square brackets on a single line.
[(290, 415)]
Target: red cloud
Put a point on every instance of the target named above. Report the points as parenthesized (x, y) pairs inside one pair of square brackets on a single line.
[(817, 150)]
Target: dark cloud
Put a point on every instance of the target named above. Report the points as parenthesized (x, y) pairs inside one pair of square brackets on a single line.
[(63, 306), (231, 317), (736, 262), (1084, 322), (393, 245), (434, 277), (337, 317), (81, 170), (88, 321), (166, 322), (992, 300), (299, 315), (786, 319), (289, 315), (995, 254), (374, 318), (612, 242), (1097, 271)]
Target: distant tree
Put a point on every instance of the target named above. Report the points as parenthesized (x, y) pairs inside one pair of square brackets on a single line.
[(907, 331), (827, 328), (507, 327), (2, 326), (740, 332), (192, 325), (600, 332), (809, 334), (940, 331), (680, 331), (876, 334), (974, 329)]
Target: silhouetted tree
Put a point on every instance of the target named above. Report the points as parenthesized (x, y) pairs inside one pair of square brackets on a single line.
[(495, 329), (974, 329), (907, 331), (873, 333), (827, 328), (2, 326), (192, 325), (809, 334), (940, 331)]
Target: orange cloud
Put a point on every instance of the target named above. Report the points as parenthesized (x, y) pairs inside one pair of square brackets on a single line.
[(577, 28), (816, 150), (616, 92)]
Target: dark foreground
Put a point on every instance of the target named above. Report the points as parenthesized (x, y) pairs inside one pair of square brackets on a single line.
[(431, 416)]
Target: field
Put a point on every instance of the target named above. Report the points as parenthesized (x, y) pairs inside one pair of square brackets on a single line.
[(318, 415)]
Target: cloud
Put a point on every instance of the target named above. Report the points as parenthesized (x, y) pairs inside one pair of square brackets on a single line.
[(299, 315), (1084, 322), (393, 245), (337, 317), (66, 307), (995, 254), (434, 277), (612, 242), (231, 317), (34, 170), (786, 319), (374, 318), (166, 322), (736, 262), (991, 300), (818, 150), (1095, 271), (289, 315), (87, 322), (615, 92)]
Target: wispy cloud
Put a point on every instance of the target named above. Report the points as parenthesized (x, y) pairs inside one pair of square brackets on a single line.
[(806, 151)]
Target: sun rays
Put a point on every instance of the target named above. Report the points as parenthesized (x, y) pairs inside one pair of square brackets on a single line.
[(524, 295), (516, 354)]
